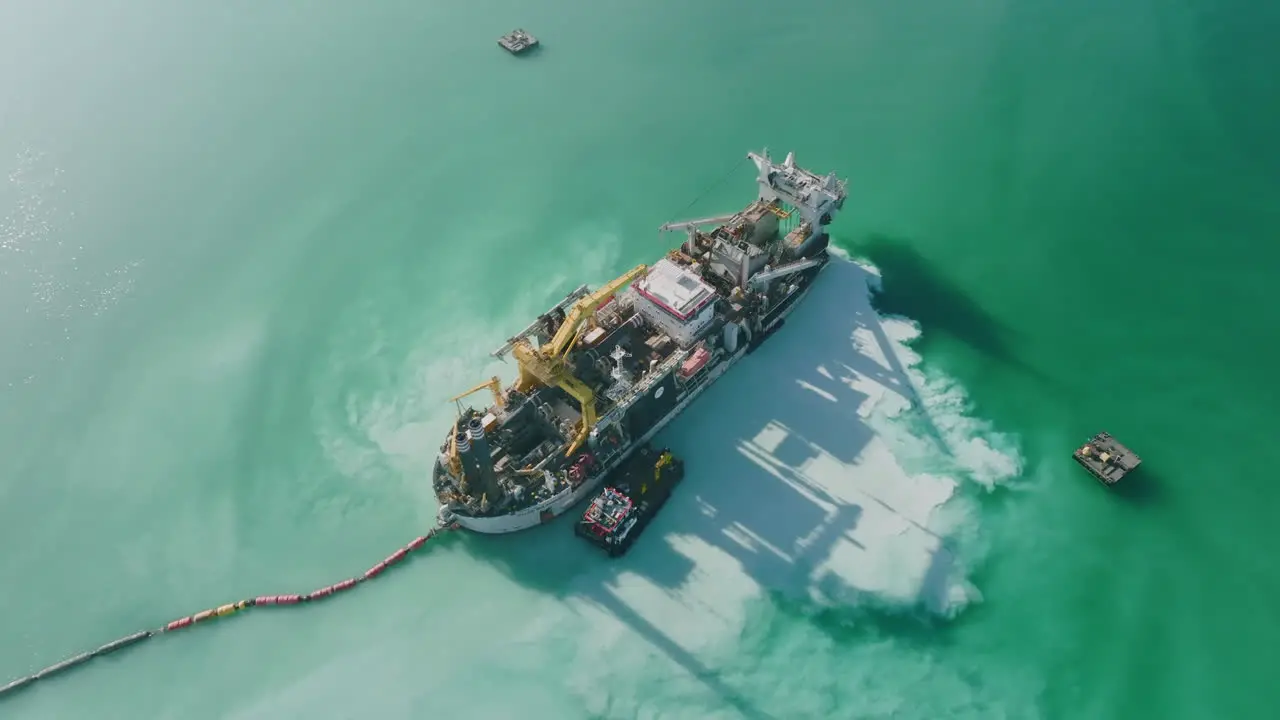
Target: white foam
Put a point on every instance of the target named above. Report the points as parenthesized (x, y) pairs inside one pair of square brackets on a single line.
[(971, 446), (826, 470), (845, 491), (393, 437), (803, 482)]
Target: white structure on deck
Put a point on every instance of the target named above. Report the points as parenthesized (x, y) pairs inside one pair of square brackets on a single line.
[(675, 300), (816, 198), (686, 224)]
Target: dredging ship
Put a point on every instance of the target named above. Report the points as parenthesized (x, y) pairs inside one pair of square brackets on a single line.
[(603, 371)]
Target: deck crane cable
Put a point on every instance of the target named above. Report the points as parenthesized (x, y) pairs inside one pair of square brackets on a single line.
[(710, 188)]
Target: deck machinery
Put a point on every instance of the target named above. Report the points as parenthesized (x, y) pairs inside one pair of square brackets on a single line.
[(602, 371)]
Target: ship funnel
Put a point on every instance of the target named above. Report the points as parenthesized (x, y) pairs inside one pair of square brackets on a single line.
[(466, 455), (483, 456)]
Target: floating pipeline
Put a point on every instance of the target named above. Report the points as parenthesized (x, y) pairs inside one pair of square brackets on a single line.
[(222, 611)]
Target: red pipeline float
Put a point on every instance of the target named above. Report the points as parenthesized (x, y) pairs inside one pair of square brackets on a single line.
[(223, 611)]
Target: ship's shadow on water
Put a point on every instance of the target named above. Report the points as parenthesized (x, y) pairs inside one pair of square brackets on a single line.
[(915, 288), (1143, 487), (777, 490)]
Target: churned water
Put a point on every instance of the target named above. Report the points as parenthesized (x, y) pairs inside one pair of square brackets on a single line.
[(247, 250)]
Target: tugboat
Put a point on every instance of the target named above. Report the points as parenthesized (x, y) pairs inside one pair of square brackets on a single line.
[(518, 41), (617, 516), (1106, 459)]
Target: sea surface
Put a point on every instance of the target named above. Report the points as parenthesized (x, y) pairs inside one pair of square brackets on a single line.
[(249, 249)]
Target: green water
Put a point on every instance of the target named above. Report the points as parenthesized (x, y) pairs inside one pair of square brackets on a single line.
[(245, 252)]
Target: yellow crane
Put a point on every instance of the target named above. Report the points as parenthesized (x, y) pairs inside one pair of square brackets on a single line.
[(546, 365), (583, 309), (495, 387)]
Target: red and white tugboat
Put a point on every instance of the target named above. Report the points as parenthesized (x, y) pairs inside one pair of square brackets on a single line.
[(617, 516)]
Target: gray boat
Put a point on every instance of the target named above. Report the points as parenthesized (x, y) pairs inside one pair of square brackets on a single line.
[(518, 41), (1106, 459)]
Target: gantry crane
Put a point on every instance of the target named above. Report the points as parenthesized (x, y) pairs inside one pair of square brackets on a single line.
[(547, 365)]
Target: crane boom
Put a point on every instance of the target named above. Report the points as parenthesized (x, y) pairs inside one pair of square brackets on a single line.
[(577, 294), (681, 225), (547, 366), (584, 307), (553, 371), (495, 387)]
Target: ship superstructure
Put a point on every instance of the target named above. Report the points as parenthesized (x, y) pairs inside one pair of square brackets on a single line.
[(603, 370)]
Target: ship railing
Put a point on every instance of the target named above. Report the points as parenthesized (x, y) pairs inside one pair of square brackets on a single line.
[(580, 292)]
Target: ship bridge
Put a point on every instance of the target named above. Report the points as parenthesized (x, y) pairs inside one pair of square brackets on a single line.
[(675, 300)]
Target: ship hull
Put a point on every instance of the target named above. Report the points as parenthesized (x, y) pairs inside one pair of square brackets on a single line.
[(558, 504)]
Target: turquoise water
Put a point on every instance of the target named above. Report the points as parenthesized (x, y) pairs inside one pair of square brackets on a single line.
[(246, 252)]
